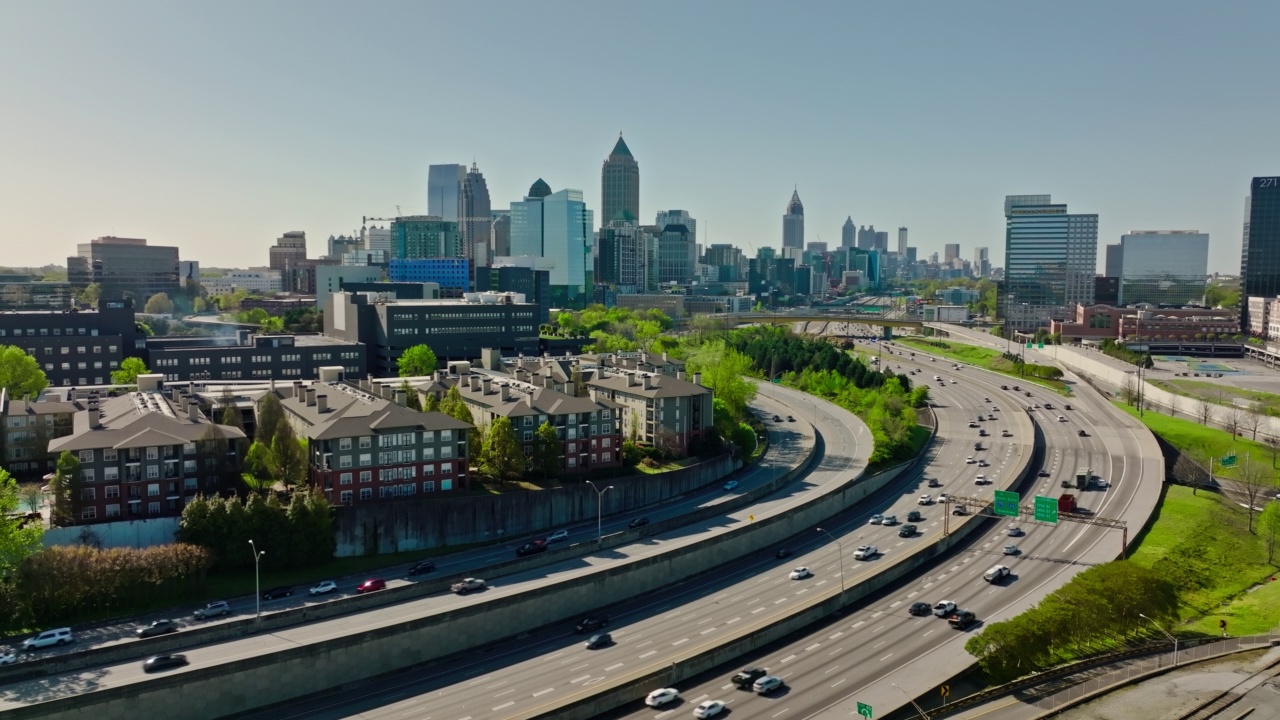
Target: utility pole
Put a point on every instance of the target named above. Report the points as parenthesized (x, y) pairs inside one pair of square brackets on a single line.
[(257, 588)]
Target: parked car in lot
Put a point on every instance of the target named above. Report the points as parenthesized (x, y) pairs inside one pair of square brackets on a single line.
[(588, 624), (801, 573), (276, 593), (731, 485), (661, 697), (325, 587), (595, 642), (638, 522), (159, 627), (708, 709), (371, 585), (766, 684), (746, 677), (422, 568), (558, 535), (164, 662), (217, 608), (49, 638)]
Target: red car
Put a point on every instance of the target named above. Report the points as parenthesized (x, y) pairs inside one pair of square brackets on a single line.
[(371, 585)]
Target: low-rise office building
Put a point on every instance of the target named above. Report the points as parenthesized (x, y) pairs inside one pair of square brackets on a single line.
[(146, 454), (1146, 322), (22, 292), (248, 356), (75, 347)]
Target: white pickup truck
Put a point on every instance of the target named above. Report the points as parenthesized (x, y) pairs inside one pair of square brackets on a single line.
[(463, 587)]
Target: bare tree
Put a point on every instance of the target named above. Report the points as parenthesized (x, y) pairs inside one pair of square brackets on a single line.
[(1233, 419), (1253, 420), (1128, 394), (1273, 443), (1254, 481), (1204, 410)]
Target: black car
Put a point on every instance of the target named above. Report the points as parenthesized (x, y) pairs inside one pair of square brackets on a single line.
[(920, 608), (423, 568), (599, 641), (277, 593), (782, 553), (914, 516), (589, 624), (1043, 473), (638, 522), (907, 531), (531, 548), (1082, 433), (164, 662), (747, 677), (159, 627), (790, 419), (777, 419)]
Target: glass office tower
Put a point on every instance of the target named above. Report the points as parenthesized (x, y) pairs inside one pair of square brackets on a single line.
[(1163, 267), (1050, 258), (1260, 252)]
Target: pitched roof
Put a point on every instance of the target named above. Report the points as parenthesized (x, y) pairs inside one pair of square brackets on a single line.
[(545, 400), (351, 412), (620, 148), (659, 386), (135, 420)]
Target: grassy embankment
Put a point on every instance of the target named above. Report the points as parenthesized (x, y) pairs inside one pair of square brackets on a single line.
[(1201, 442), (1221, 394), (979, 357)]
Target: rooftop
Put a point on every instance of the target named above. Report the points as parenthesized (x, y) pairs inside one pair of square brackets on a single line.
[(659, 385), (139, 419), (337, 410)]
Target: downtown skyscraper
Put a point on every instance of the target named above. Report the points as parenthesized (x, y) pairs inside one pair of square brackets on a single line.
[(557, 227), (458, 196), (620, 187), (793, 224), (848, 233), (1050, 261), (1260, 251)]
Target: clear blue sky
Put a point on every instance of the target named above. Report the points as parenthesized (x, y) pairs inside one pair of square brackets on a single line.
[(219, 126)]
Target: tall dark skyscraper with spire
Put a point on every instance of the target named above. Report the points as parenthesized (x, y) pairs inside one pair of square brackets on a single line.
[(620, 186), (474, 220), (793, 224)]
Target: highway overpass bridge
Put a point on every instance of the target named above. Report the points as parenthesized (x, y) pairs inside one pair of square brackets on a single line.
[(788, 318)]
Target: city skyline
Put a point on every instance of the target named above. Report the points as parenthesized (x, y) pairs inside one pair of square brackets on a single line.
[(218, 152)]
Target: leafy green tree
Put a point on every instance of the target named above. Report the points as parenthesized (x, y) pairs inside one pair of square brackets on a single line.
[(290, 453), (270, 419), (158, 304), (432, 403), (548, 453), (454, 406), (417, 361), (503, 456), (200, 305), (130, 369), (18, 540), (20, 374), (62, 488), (90, 295), (411, 396), (723, 370), (258, 467)]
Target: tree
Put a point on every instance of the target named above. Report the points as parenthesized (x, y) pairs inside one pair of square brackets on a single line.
[(1128, 393), (20, 374), (290, 454), (412, 400), (199, 305), (18, 540), (1233, 419), (548, 453), (1204, 410), (417, 361), (1269, 526), (1253, 420), (270, 418), (158, 304), (130, 369), (1273, 444), (31, 495), (89, 295), (503, 455), (62, 490), (723, 370), (1254, 481)]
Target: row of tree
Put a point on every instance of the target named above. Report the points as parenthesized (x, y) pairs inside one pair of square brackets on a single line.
[(887, 409), (776, 350), (299, 534)]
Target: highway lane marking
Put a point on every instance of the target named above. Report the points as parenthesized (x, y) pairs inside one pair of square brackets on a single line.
[(734, 620), (878, 629), (708, 630), (877, 613), (651, 652), (700, 698), (858, 624), (833, 652), (877, 645), (896, 604), (681, 641), (832, 669), (926, 633), (580, 679), (838, 682), (703, 620), (783, 711), (497, 684), (572, 669), (505, 692), (802, 591), (814, 646), (821, 582), (504, 705), (613, 667), (913, 593), (886, 657), (836, 635), (779, 601), (646, 642), (787, 659)]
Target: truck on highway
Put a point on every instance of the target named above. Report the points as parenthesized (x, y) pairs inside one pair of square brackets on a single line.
[(1081, 481), (463, 587), (1067, 503)]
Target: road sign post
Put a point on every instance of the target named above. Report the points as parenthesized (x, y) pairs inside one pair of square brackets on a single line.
[(864, 710), (1046, 509), (1006, 503), (945, 690)]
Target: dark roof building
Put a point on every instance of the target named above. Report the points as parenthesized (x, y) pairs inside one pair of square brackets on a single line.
[(28, 426), (75, 347), (249, 356)]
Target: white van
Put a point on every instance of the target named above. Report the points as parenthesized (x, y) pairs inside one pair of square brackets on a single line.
[(48, 638), (996, 573)]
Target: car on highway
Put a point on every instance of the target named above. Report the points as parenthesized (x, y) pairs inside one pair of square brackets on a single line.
[(777, 419), (1035, 406), (959, 510), (638, 522), (731, 485), (746, 677), (943, 608), (980, 480), (276, 593), (531, 548), (558, 535), (943, 497), (596, 642), (1048, 406), (982, 433), (969, 460), (983, 463), (889, 520), (48, 638), (1082, 433), (467, 585), (865, 552), (991, 417), (766, 684), (925, 500), (973, 423), (1011, 550), (914, 516), (1005, 433), (790, 419), (661, 697), (986, 399), (1043, 473), (1014, 531), (325, 587), (708, 709), (164, 662), (996, 574), (8, 657), (920, 608), (159, 627), (422, 568), (934, 482), (1004, 387), (1101, 484), (907, 531), (1067, 406), (1062, 418), (953, 381), (877, 519), (995, 408), (800, 573), (782, 553), (371, 585), (217, 608), (962, 619), (590, 623)]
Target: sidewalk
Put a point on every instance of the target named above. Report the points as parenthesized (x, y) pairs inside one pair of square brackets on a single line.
[(1157, 690)]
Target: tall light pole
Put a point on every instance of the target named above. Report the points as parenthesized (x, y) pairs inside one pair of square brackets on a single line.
[(912, 700), (1166, 634), (257, 589), (841, 549), (599, 510)]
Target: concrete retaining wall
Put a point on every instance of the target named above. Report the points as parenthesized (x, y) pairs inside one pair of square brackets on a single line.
[(135, 534)]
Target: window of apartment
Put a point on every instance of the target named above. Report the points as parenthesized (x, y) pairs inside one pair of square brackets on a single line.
[(528, 436), (153, 490), (593, 458), (344, 443), (189, 467), (366, 459), (110, 473), (366, 476), (573, 447), (366, 493), (528, 421), (113, 511), (153, 472), (605, 413), (429, 486), (344, 497), (366, 442), (429, 469), (87, 475), (607, 442), (446, 484), (446, 468), (344, 479), (446, 436), (190, 484), (111, 491), (88, 493), (608, 457), (153, 453), (344, 461), (86, 456), (153, 508), (573, 461), (89, 513), (109, 455), (446, 451)]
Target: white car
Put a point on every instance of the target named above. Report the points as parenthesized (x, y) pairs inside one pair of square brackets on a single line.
[(969, 460), (8, 658), (943, 497), (801, 573), (661, 697), (944, 608), (1011, 550), (865, 552), (323, 587), (953, 382), (997, 573), (877, 519), (710, 708), (889, 520), (1062, 418), (925, 500), (558, 536), (980, 480), (1015, 531)]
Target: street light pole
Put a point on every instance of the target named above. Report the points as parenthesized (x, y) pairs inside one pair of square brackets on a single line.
[(923, 714), (1166, 634), (599, 510), (839, 547), (257, 588)]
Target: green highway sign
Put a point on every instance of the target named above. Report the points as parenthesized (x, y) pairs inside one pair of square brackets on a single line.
[(864, 710), (1228, 461), (1006, 503), (1046, 509), (1041, 346), (1028, 344)]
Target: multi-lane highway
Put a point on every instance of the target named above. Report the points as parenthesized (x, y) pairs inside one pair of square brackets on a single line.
[(846, 456), (553, 667)]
